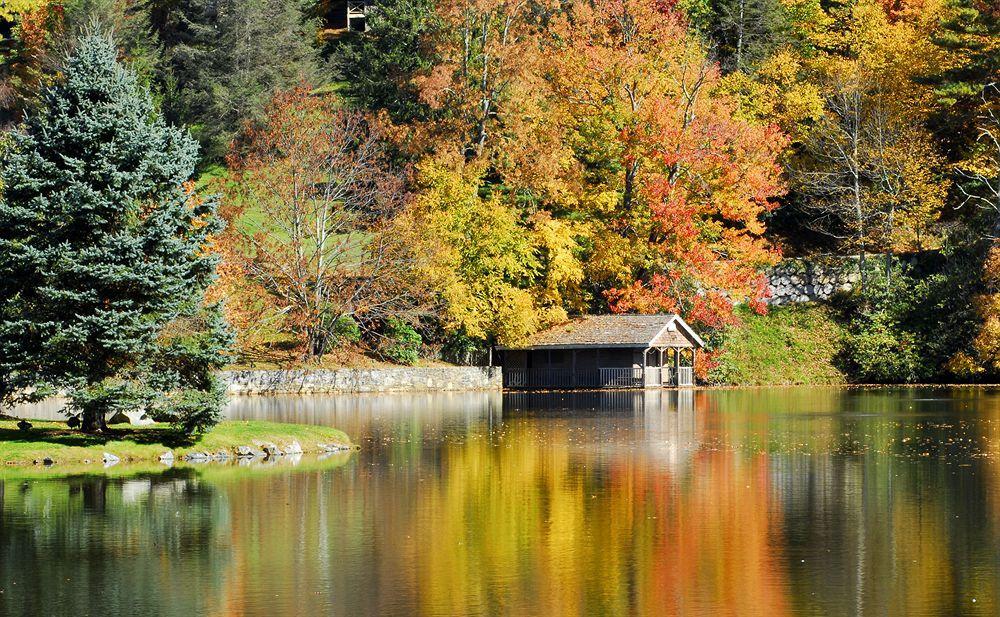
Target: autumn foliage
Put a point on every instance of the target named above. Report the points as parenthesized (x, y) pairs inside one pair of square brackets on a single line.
[(483, 169), (694, 176), (309, 206)]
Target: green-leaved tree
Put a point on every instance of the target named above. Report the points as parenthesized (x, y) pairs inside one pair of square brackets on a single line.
[(103, 261)]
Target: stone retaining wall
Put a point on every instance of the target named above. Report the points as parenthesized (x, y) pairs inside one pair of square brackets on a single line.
[(348, 380), (800, 280)]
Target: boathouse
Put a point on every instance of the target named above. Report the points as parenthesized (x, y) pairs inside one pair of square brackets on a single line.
[(605, 351)]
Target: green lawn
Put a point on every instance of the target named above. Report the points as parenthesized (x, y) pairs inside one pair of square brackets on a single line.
[(791, 345), (131, 444)]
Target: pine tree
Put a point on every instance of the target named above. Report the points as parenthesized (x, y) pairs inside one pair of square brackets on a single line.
[(103, 266), (225, 59), (742, 32), (379, 65)]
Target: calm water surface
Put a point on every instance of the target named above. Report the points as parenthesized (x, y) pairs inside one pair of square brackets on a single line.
[(760, 502)]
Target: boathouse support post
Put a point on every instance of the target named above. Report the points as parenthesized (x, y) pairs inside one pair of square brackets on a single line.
[(573, 379)]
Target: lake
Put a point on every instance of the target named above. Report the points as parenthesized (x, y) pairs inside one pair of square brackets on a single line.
[(798, 501)]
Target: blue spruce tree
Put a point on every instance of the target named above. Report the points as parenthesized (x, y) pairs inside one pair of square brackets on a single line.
[(103, 261)]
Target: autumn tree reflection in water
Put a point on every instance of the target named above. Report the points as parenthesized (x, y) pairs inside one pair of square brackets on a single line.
[(763, 502)]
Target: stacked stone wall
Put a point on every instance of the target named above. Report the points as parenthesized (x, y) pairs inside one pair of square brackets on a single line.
[(808, 280), (438, 379)]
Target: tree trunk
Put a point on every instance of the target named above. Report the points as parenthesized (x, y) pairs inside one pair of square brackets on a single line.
[(888, 251), (630, 172), (93, 420), (859, 212), (739, 35), (315, 344)]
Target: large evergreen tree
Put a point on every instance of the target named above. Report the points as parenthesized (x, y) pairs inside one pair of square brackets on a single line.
[(103, 264)]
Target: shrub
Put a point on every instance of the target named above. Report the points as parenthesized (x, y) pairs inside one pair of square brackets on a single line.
[(344, 330), (195, 411), (459, 348), (879, 350), (401, 343)]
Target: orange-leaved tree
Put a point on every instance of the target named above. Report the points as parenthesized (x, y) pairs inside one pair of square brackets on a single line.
[(309, 204), (691, 180), (488, 92)]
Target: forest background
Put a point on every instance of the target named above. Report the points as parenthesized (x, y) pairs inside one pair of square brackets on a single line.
[(463, 173)]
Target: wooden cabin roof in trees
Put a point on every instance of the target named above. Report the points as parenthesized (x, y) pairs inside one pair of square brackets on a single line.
[(623, 331)]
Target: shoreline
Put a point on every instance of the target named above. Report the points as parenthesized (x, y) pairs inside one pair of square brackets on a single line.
[(51, 444)]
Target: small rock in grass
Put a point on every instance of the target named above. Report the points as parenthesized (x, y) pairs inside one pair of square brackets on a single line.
[(272, 450), (248, 452), (293, 448), (222, 455), (48, 462), (197, 457), (110, 459), (331, 447), (24, 425), (167, 456)]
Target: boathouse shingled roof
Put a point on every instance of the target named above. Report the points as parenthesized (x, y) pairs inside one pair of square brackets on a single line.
[(637, 331)]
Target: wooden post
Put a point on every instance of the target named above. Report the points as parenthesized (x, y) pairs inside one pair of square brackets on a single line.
[(548, 369), (677, 367), (573, 377), (600, 384)]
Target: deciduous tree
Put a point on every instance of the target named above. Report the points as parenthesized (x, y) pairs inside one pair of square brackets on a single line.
[(979, 174), (499, 275), (870, 172), (26, 58), (309, 205), (488, 94), (690, 180)]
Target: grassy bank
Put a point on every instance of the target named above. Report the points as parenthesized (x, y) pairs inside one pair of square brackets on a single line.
[(131, 444), (790, 345)]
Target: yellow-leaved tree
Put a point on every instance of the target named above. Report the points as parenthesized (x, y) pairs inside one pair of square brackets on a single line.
[(499, 275), (869, 171)]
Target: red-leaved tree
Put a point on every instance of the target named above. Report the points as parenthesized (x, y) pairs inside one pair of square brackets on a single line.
[(695, 180)]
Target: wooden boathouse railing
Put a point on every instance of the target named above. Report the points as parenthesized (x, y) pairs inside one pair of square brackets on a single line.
[(532, 378)]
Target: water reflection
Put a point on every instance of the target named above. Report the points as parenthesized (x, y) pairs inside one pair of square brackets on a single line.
[(760, 502)]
